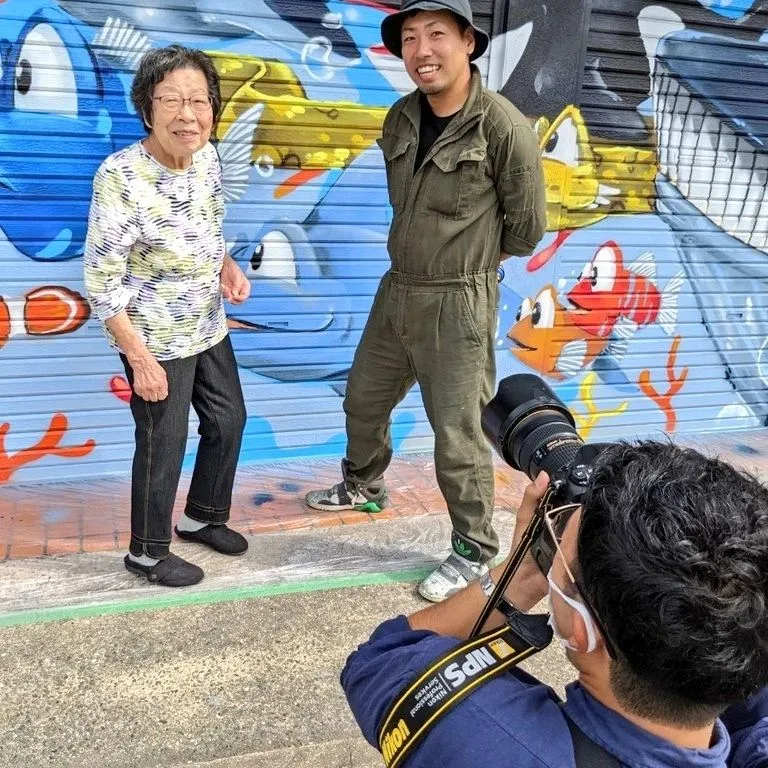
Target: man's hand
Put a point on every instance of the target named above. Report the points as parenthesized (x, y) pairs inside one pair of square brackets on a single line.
[(235, 287), (530, 584), (149, 380)]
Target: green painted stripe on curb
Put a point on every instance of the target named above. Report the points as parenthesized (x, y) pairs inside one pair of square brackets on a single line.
[(186, 598)]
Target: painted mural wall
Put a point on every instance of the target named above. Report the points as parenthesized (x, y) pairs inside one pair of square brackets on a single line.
[(644, 305)]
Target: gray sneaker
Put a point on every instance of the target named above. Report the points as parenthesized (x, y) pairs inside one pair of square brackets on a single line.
[(345, 495)]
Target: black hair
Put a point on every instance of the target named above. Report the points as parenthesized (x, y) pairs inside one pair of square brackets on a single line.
[(464, 25), (157, 63), (673, 557)]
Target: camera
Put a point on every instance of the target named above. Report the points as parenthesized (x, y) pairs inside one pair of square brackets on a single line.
[(533, 431)]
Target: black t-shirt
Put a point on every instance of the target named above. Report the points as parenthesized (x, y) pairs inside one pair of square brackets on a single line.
[(430, 130)]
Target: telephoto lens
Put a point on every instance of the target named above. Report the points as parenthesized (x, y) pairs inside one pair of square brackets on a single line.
[(530, 427)]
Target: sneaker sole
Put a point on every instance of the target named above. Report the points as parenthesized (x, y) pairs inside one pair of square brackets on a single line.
[(369, 506)]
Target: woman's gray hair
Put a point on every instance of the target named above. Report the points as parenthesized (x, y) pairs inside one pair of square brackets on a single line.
[(157, 63)]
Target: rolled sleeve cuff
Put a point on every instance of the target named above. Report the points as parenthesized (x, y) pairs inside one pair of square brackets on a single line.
[(516, 246), (107, 305)]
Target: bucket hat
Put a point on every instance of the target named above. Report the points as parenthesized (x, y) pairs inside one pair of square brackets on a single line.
[(390, 27)]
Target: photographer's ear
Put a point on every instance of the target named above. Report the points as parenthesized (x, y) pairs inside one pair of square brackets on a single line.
[(584, 638), (574, 628)]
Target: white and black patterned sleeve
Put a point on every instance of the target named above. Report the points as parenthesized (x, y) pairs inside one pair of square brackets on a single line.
[(219, 206), (112, 229)]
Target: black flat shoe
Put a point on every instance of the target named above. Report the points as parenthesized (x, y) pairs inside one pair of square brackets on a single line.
[(173, 571), (217, 537)]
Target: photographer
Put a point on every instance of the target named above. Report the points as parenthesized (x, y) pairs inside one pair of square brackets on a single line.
[(658, 593)]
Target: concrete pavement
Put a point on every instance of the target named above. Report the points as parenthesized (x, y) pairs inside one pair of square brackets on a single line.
[(232, 683)]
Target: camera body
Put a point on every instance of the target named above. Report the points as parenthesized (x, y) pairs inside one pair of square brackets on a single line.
[(533, 431)]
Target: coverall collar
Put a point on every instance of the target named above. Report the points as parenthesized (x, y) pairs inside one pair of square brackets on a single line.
[(471, 109)]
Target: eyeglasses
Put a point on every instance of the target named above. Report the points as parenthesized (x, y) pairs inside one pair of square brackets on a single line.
[(170, 102), (555, 522)]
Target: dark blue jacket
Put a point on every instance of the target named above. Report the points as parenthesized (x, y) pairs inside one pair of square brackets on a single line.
[(515, 721)]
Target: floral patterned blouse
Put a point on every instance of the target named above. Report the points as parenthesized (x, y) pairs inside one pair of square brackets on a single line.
[(155, 248)]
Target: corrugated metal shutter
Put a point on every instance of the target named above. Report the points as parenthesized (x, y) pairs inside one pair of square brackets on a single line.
[(673, 337), (647, 295), (306, 86)]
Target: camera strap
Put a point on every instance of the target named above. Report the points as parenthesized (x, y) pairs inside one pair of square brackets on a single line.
[(463, 669), (452, 677)]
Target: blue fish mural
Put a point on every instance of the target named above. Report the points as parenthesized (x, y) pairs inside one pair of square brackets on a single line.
[(58, 100), (315, 256), (611, 113), (313, 283), (719, 214)]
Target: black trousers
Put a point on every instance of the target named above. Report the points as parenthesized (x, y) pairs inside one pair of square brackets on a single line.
[(210, 383)]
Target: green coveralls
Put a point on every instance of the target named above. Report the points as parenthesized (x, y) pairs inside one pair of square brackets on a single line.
[(479, 191)]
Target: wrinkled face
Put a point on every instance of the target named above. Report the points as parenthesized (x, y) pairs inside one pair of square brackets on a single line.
[(180, 129), (435, 51)]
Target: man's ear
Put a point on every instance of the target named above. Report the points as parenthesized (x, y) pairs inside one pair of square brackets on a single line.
[(580, 639), (469, 39)]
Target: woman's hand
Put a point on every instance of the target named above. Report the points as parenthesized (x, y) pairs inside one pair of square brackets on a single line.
[(149, 380), (235, 287)]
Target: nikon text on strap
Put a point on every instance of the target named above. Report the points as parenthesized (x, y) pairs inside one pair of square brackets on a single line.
[(455, 675)]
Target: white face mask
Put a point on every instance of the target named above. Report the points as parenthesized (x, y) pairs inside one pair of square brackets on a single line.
[(581, 609)]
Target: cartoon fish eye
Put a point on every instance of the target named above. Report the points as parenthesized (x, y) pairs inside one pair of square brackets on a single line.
[(563, 143), (543, 313), (551, 145), (273, 258), (45, 78), (603, 273), (523, 310), (257, 256)]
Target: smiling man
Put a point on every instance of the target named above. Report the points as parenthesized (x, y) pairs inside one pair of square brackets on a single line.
[(466, 189)]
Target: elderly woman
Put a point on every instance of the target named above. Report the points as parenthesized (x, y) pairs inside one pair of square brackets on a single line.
[(156, 274)]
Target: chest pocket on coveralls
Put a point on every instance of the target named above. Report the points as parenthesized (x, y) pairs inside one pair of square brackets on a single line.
[(456, 182), (395, 150)]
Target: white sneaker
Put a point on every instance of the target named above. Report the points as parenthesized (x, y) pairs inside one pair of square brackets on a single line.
[(453, 574)]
